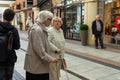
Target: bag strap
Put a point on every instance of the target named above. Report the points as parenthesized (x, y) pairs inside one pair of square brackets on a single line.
[(10, 40)]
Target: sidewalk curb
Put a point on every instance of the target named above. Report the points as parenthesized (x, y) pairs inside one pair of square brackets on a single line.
[(100, 60), (77, 75)]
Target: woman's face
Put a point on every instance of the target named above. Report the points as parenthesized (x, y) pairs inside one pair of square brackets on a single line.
[(47, 22), (57, 23)]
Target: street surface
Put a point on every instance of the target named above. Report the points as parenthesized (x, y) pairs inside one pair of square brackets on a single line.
[(19, 67), (83, 62)]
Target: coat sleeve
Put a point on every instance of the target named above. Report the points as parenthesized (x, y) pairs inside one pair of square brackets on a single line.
[(38, 46), (93, 30), (101, 25), (50, 38)]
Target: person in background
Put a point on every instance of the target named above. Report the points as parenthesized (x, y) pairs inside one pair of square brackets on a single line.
[(7, 67), (97, 30), (29, 22), (57, 41), (38, 57)]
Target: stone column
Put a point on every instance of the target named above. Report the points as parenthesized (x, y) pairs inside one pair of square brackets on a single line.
[(23, 19), (90, 7), (36, 11)]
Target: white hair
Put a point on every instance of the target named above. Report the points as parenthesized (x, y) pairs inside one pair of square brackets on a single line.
[(43, 16), (58, 18), (97, 16)]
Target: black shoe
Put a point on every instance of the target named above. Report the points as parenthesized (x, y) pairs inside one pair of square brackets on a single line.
[(96, 47), (103, 47)]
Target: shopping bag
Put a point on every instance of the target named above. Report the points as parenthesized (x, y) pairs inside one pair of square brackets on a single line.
[(93, 37)]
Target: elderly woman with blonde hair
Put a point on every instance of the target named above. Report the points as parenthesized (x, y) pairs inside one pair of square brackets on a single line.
[(38, 57), (57, 41)]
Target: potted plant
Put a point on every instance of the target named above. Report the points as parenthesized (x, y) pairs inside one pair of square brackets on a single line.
[(84, 33)]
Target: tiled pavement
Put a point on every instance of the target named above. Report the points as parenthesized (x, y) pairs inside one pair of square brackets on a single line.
[(19, 73), (83, 61), (17, 76), (19, 67), (103, 64)]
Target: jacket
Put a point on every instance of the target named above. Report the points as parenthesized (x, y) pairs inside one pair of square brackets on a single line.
[(38, 52), (94, 27), (57, 41), (16, 41)]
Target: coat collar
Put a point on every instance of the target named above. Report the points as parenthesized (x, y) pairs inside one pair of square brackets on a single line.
[(57, 30), (43, 27)]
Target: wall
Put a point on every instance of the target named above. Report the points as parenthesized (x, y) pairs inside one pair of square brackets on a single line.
[(21, 4), (89, 16)]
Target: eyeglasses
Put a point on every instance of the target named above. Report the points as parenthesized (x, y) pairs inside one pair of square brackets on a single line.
[(49, 19), (56, 21)]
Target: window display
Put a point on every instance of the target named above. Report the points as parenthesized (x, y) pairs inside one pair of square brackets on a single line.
[(73, 20), (112, 21)]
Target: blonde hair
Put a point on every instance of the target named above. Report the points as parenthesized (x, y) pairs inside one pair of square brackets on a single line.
[(58, 18)]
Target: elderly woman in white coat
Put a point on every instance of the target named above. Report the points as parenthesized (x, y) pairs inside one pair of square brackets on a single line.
[(38, 57), (57, 41)]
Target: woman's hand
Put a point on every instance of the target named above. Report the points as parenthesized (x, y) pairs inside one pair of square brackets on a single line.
[(58, 51)]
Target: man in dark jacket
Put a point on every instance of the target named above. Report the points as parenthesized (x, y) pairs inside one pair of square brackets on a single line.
[(97, 29), (7, 67)]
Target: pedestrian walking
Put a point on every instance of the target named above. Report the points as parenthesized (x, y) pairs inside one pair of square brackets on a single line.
[(57, 41), (38, 57), (97, 30), (29, 22), (9, 42)]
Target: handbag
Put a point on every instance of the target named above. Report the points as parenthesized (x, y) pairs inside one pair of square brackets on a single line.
[(64, 65)]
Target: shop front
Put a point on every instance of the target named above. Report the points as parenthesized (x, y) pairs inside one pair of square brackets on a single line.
[(71, 12), (44, 4), (76, 12), (74, 18), (112, 22)]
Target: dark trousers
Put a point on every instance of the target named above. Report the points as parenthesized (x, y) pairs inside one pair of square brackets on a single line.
[(6, 72), (30, 76), (98, 36)]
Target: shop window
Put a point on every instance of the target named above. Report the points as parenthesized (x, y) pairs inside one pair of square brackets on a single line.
[(41, 2), (23, 4), (45, 5), (29, 2), (18, 6), (74, 20), (112, 22)]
